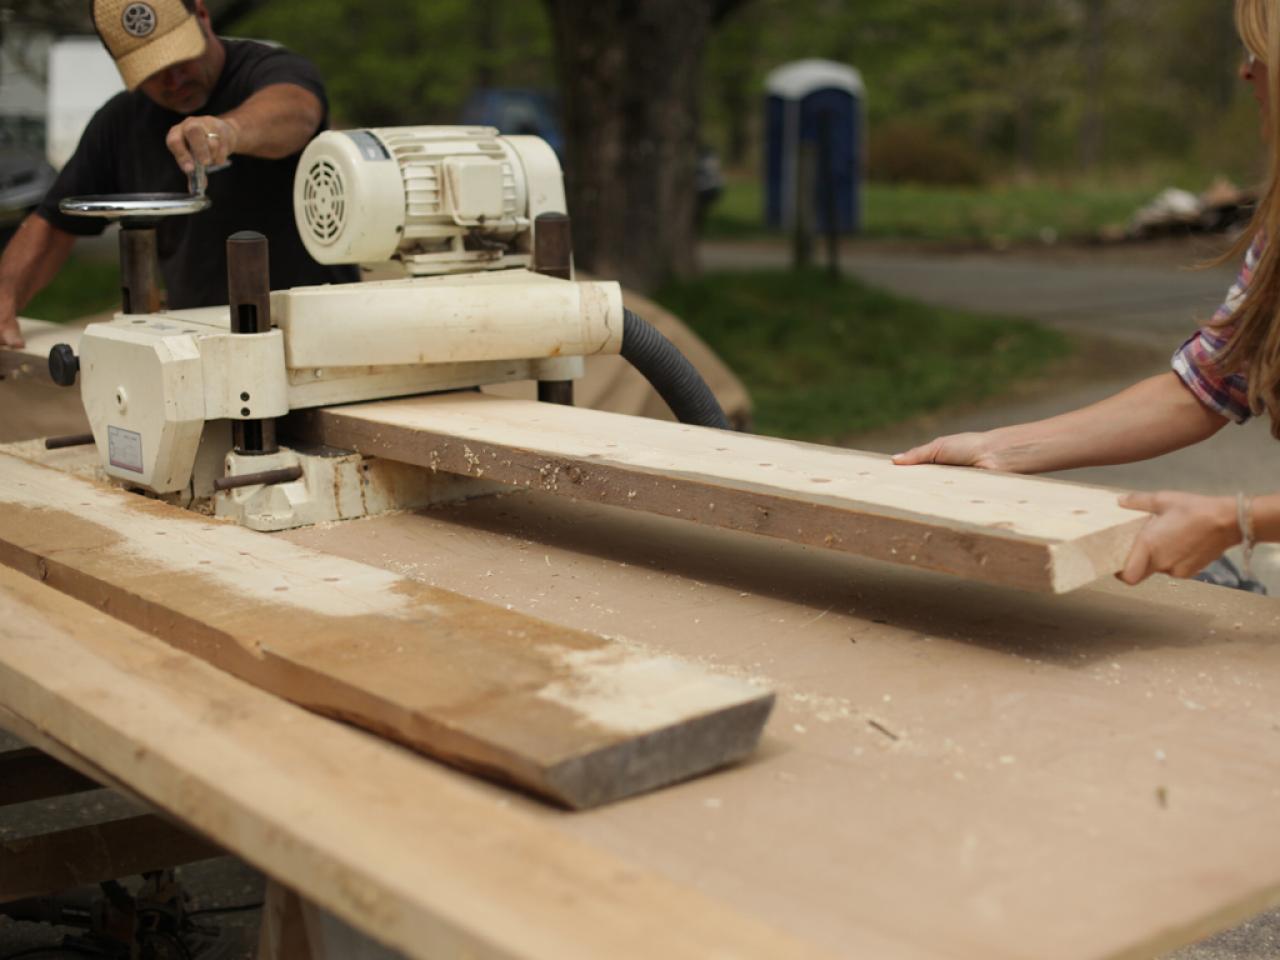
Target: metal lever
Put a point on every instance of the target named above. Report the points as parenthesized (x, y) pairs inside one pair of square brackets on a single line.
[(198, 179)]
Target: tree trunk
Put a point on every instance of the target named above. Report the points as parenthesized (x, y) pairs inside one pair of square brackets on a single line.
[(486, 40), (1025, 116), (630, 80), (740, 98), (1091, 128)]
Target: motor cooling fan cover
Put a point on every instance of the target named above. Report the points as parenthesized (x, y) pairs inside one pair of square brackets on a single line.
[(323, 201), (348, 199)]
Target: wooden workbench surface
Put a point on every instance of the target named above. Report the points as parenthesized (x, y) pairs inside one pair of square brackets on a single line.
[(953, 770)]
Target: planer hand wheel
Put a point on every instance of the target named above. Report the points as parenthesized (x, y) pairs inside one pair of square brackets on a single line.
[(120, 206)]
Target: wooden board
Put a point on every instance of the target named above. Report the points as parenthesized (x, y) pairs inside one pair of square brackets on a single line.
[(32, 361), (428, 861), (965, 771), (996, 528), (27, 775), (574, 717), (51, 863), (33, 405)]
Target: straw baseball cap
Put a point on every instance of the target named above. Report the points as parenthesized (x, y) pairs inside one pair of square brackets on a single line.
[(145, 36)]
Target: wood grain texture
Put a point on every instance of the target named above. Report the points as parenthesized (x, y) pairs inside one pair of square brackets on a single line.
[(33, 405), (430, 862), (570, 716), (28, 774), (32, 361), (50, 863), (282, 934), (980, 773), (1017, 531)]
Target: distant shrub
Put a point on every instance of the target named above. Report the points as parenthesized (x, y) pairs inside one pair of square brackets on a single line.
[(907, 152)]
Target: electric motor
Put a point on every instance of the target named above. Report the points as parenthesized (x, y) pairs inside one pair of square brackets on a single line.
[(437, 199)]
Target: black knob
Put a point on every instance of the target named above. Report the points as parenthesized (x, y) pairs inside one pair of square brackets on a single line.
[(63, 365)]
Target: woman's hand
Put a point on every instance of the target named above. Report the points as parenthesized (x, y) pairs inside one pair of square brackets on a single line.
[(1185, 534), (1152, 417), (957, 450)]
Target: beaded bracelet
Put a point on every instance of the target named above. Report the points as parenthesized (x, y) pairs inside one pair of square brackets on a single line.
[(1244, 518)]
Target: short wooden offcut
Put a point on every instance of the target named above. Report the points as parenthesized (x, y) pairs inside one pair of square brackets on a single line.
[(568, 715), (423, 860)]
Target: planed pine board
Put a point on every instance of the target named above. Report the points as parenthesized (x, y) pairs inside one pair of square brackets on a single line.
[(573, 717), (32, 361), (422, 859), (1027, 532)]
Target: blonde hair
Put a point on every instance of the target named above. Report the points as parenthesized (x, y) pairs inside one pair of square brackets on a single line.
[(1253, 347)]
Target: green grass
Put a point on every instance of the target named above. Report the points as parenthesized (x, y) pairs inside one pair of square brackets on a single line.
[(825, 359), (85, 285), (993, 214), (738, 212)]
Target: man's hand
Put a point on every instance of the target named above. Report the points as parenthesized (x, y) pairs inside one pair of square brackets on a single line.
[(1185, 534), (34, 255), (277, 121), (207, 139), (10, 334)]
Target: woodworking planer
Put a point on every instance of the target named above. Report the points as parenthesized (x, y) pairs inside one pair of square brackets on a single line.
[(183, 403)]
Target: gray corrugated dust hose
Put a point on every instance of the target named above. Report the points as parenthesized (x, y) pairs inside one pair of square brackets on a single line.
[(677, 382)]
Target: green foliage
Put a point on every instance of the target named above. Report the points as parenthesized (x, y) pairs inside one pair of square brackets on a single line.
[(1026, 85), (1008, 213), (738, 212), (907, 152), (1030, 85), (84, 286), (997, 214), (824, 359), (61, 16), (415, 63)]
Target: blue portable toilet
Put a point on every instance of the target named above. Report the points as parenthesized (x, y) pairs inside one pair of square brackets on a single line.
[(803, 98)]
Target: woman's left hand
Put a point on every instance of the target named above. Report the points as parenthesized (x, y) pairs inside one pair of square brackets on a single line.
[(1185, 534)]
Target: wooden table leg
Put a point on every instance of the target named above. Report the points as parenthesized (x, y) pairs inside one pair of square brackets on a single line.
[(28, 774), (48, 863), (295, 929), (283, 934)]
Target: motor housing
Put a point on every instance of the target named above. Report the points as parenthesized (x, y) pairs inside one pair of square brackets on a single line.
[(434, 199)]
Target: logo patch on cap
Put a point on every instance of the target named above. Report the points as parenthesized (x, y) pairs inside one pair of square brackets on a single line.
[(139, 19)]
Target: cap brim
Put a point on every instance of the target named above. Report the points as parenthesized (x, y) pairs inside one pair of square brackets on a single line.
[(183, 43)]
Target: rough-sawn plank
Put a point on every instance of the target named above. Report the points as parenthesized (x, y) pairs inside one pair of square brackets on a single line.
[(570, 716), (423, 860)]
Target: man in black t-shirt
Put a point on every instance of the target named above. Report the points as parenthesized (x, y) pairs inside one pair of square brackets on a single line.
[(190, 96)]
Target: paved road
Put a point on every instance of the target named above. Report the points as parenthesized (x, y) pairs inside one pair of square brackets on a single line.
[(1127, 302), (1126, 292)]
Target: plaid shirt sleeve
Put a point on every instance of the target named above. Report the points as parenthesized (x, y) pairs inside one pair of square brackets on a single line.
[(1192, 361)]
